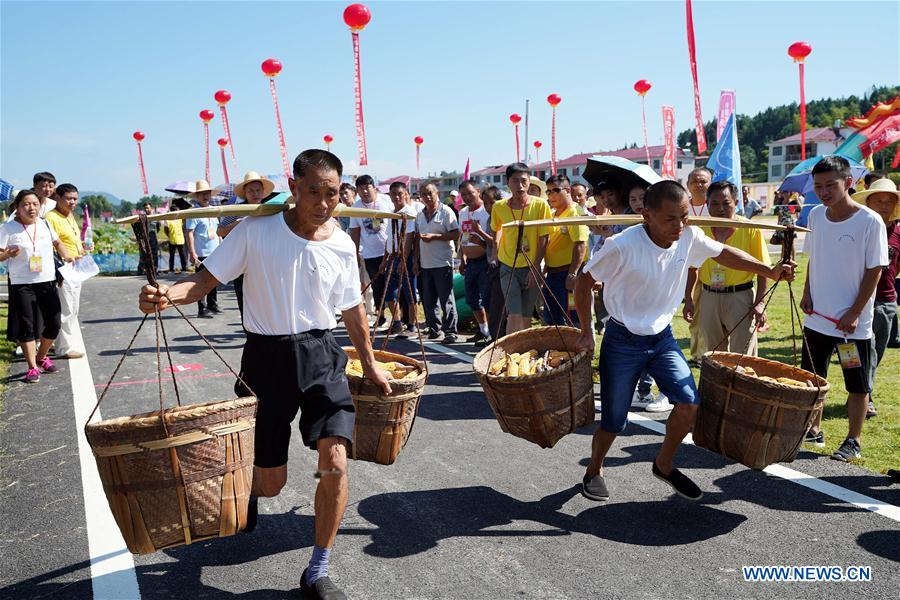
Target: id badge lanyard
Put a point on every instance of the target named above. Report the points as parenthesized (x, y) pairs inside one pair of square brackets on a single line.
[(34, 260), (848, 353)]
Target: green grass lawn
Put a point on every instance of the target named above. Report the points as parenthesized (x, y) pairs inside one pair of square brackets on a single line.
[(6, 351), (881, 435)]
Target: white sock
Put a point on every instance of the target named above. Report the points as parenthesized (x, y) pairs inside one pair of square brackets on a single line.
[(484, 328)]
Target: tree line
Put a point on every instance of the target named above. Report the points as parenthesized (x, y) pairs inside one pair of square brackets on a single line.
[(777, 122)]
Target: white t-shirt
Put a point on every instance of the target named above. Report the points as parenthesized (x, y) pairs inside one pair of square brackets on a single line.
[(291, 284), (410, 225), (46, 206), (438, 253), (698, 211), (643, 283), (33, 240), (839, 254), (466, 217), (373, 233)]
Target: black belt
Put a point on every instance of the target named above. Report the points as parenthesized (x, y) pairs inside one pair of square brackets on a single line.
[(730, 289)]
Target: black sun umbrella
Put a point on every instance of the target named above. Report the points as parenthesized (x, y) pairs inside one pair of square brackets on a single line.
[(617, 172)]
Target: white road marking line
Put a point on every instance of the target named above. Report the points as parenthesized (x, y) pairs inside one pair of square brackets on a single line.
[(112, 566), (808, 481)]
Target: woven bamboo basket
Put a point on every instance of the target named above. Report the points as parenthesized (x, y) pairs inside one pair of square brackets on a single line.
[(752, 421), (189, 486), (383, 422), (544, 407)]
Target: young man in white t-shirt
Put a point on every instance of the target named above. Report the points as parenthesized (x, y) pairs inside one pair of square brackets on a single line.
[(847, 248), (401, 288), (371, 236), (644, 270), (475, 225), (299, 268)]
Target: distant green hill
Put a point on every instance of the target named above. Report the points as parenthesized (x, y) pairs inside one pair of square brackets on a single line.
[(781, 121), (112, 199)]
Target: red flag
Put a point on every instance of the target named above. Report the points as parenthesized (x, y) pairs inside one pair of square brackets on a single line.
[(466, 172), (668, 162), (692, 51), (882, 134)]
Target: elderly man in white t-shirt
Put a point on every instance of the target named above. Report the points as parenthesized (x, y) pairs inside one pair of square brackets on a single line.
[(644, 270), (698, 182), (299, 268), (437, 229)]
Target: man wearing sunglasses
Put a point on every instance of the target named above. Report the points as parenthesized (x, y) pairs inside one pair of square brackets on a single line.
[(566, 252)]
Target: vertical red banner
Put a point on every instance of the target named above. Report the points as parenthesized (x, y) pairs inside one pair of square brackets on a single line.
[(553, 144), (281, 145), (644, 121), (726, 108), (692, 51), (206, 138), (518, 154), (224, 166), (802, 116), (227, 132), (357, 91), (143, 174), (669, 155)]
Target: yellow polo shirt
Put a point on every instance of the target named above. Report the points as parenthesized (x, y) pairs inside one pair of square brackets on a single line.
[(67, 230), (175, 231), (563, 239), (750, 241), (537, 208)]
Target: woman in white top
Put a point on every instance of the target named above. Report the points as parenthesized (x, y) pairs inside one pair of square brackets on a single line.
[(27, 242)]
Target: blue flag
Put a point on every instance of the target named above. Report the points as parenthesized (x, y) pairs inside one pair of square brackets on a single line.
[(725, 160)]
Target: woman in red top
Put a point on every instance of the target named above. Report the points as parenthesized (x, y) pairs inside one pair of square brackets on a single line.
[(883, 197)]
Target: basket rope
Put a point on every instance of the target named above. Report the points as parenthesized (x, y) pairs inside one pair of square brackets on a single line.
[(540, 281), (142, 236), (787, 253)]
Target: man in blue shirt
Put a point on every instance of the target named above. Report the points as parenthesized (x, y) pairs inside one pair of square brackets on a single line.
[(202, 240)]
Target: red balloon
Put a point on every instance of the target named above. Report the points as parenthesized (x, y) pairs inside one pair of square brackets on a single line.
[(418, 140), (537, 144), (207, 115), (515, 118), (271, 67), (328, 139), (357, 16), (138, 135), (799, 50), (554, 99), (222, 142), (642, 86), (222, 97)]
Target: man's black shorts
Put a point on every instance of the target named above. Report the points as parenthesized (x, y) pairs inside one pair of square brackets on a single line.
[(288, 373), (818, 352)]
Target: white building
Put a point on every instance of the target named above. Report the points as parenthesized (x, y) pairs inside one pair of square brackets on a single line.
[(784, 154)]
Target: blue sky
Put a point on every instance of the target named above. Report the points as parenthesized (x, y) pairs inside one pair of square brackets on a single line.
[(79, 77)]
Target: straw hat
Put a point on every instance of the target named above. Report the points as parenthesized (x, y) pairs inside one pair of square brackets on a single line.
[(249, 176), (535, 181), (880, 186), (200, 186)]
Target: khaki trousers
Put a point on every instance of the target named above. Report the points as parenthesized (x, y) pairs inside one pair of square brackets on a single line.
[(722, 312), (698, 344)]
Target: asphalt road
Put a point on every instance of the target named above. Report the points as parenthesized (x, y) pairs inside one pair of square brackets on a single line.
[(466, 512)]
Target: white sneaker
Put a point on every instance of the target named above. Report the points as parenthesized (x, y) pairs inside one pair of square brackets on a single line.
[(661, 404), (640, 400)]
